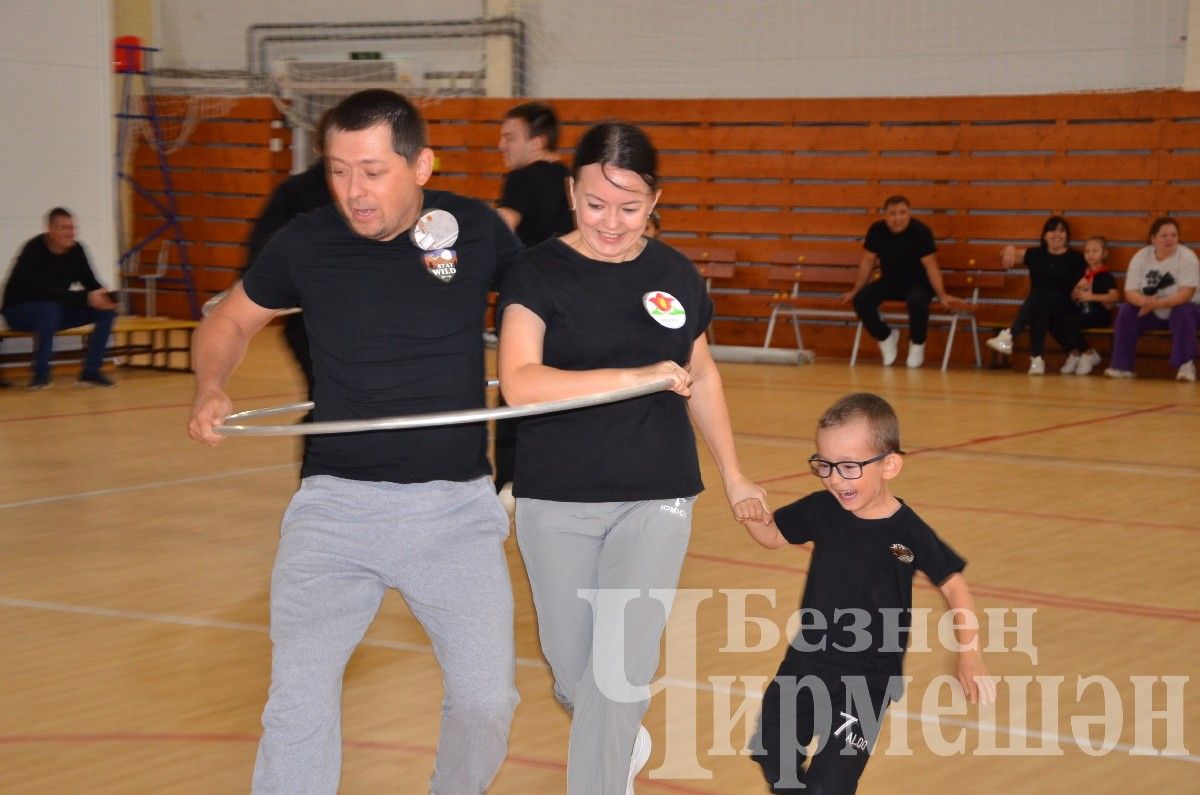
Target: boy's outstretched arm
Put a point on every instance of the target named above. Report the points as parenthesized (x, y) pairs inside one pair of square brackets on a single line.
[(980, 687), (765, 532)]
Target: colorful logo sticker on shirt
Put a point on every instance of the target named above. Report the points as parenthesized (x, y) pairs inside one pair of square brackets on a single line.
[(442, 263), (664, 308), (902, 553)]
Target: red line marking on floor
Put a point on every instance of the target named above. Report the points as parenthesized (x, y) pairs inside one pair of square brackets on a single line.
[(1000, 437), (906, 390), (1059, 517), (1058, 426), (368, 745), (1016, 594)]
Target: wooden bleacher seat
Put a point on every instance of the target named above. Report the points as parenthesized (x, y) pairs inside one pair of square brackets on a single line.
[(815, 281), (156, 343), (713, 263)]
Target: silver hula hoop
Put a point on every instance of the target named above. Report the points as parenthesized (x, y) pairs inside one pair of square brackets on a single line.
[(423, 420)]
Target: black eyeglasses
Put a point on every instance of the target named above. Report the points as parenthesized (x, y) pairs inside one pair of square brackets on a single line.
[(850, 470)]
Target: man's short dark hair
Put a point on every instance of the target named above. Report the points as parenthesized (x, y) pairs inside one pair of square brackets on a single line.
[(366, 109), (896, 199), (541, 121), (57, 212)]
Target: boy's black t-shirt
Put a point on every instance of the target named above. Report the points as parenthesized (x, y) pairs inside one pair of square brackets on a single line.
[(900, 254), (605, 314), (389, 337), (538, 192), (857, 565)]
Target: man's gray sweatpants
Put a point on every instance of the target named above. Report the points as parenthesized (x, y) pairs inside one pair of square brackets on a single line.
[(343, 543), (597, 647)]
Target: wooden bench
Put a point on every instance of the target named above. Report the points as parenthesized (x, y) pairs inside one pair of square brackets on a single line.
[(1154, 356), (816, 280), (154, 343), (712, 263)]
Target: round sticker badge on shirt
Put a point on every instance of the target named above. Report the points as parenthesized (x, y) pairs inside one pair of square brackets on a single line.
[(664, 308), (902, 553), (435, 229)]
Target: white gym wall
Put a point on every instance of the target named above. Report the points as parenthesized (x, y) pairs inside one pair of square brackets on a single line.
[(767, 48), (56, 125)]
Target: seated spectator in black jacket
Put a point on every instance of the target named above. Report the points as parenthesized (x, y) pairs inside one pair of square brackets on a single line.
[(51, 288)]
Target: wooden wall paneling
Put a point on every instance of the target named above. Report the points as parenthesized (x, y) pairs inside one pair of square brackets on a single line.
[(221, 178), (757, 174)]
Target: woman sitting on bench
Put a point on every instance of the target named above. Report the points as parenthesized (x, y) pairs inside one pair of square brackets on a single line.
[(1054, 270)]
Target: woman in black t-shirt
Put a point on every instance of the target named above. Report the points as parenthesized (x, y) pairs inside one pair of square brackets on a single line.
[(605, 494), (1054, 271)]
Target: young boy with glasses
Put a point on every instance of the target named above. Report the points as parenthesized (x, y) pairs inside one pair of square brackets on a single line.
[(844, 666)]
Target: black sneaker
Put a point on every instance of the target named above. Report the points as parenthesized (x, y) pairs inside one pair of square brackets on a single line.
[(94, 379), (38, 382)]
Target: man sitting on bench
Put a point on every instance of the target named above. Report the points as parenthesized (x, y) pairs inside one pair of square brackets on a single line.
[(39, 299), (904, 250)]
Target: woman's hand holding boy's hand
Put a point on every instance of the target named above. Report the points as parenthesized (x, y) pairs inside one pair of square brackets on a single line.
[(748, 500)]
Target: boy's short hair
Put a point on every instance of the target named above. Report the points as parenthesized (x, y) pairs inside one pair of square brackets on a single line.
[(881, 419), (896, 199)]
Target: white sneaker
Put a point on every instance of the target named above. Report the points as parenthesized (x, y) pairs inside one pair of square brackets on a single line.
[(1071, 364), (1002, 342), (1111, 373), (889, 347), (1187, 372), (916, 354), (1037, 366), (641, 755), (1086, 362)]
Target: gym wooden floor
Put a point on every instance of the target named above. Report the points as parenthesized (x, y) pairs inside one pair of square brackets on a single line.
[(134, 569)]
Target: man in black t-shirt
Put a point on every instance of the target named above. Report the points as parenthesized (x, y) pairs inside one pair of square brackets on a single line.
[(52, 287), (395, 322), (533, 202), (903, 249)]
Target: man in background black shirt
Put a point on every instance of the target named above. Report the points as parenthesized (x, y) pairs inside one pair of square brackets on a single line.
[(39, 298), (904, 250), (298, 194), (533, 202)]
